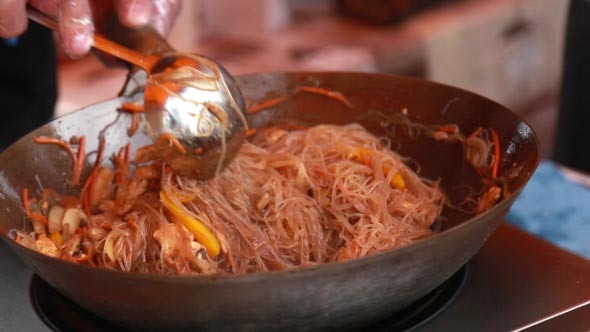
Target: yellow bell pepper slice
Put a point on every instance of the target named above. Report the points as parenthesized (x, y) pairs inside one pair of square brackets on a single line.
[(202, 234), (364, 155), (57, 238), (360, 154), (397, 181)]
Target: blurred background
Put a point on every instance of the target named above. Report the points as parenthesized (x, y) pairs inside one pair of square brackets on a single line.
[(507, 50)]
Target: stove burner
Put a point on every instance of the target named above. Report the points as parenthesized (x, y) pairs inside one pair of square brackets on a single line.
[(60, 314), (427, 307)]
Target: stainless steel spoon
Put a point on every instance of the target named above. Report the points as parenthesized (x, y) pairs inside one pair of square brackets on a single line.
[(194, 108)]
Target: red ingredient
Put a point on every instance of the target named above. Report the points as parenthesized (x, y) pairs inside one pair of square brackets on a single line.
[(265, 104), (496, 153), (331, 94)]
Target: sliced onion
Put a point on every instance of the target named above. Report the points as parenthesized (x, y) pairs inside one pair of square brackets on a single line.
[(73, 244), (46, 246), (55, 217), (108, 248), (71, 221), (26, 240), (96, 233)]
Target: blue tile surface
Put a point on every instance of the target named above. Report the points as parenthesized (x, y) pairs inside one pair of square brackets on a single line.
[(555, 209)]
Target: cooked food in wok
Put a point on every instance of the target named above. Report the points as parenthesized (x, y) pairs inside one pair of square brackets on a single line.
[(446, 136), (293, 196)]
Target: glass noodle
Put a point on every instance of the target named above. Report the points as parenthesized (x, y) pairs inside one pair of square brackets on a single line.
[(291, 197)]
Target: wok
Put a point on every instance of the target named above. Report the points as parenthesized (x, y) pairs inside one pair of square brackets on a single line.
[(335, 296)]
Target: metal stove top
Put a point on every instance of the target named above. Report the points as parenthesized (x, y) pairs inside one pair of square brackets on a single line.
[(516, 282)]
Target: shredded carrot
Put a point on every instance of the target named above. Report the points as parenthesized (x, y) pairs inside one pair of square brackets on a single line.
[(106, 225), (332, 94), (87, 184), (100, 152), (86, 196), (167, 169), (26, 201), (448, 129), (127, 154), (265, 104), (120, 158), (39, 217), (50, 140), (80, 230), (120, 169), (131, 221), (86, 192), (172, 141), (134, 124), (132, 107), (476, 132), (311, 89), (78, 161), (198, 151), (496, 153), (69, 201), (122, 164), (250, 132), (27, 208)]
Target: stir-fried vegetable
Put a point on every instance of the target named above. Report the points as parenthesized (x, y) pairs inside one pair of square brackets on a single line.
[(267, 103), (305, 196), (77, 160), (201, 233), (365, 155)]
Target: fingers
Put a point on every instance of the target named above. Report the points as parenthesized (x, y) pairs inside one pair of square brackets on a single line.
[(75, 26), (48, 7), (160, 14), (134, 13), (165, 13), (13, 18)]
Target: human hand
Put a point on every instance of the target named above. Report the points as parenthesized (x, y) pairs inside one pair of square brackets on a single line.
[(75, 25)]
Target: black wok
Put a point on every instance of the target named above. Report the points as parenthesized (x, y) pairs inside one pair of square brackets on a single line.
[(337, 296)]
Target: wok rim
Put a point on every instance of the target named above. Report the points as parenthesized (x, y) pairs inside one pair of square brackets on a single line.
[(299, 271)]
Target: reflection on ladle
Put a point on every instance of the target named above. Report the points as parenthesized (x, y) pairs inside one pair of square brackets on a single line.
[(188, 98)]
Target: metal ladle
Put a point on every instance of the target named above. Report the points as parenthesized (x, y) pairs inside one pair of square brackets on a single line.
[(193, 106)]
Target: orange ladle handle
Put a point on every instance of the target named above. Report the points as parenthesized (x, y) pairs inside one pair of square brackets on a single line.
[(143, 61)]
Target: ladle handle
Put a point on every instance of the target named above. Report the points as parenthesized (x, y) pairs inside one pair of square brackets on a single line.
[(144, 61), (145, 40)]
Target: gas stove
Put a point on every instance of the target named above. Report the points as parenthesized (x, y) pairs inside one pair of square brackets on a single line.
[(516, 282)]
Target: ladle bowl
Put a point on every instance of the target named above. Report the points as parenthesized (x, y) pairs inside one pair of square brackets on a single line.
[(194, 108)]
